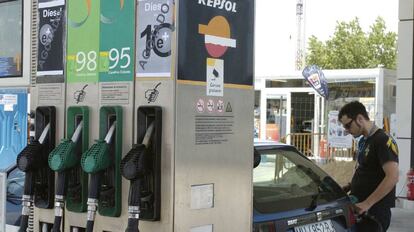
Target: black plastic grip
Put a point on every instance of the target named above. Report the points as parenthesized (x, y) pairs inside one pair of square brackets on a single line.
[(94, 185), (56, 224), (132, 225), (89, 226), (135, 193), (61, 184), (29, 184), (24, 223)]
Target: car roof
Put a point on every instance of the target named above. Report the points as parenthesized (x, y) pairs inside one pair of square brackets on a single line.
[(269, 143)]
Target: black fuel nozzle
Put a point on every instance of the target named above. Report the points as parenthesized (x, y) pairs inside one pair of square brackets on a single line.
[(29, 160), (134, 166)]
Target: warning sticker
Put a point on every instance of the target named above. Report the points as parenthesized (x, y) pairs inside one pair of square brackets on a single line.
[(228, 107)]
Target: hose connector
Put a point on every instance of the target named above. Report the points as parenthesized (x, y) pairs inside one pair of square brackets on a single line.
[(92, 208)]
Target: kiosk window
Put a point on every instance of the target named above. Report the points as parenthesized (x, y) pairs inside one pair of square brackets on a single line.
[(11, 38)]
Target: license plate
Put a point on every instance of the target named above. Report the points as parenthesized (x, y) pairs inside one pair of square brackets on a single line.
[(323, 226)]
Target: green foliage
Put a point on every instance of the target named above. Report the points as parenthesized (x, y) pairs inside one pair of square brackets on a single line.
[(350, 47)]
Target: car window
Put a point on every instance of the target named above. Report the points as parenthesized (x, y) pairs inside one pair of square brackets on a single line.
[(284, 180), (15, 183)]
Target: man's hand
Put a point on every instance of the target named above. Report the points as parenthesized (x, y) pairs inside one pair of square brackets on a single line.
[(362, 207)]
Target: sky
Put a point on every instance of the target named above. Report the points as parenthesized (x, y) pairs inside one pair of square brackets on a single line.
[(275, 35)]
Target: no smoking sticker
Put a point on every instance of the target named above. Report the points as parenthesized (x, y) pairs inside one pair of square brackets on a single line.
[(210, 105), (220, 106), (200, 105)]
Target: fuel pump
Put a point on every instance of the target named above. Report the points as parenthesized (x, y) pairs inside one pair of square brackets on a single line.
[(33, 161), (101, 161), (63, 159), (141, 166), (94, 161)]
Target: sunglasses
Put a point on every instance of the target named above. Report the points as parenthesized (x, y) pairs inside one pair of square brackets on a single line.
[(348, 125)]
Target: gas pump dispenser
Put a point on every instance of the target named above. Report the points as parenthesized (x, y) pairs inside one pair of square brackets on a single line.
[(47, 90), (32, 160), (141, 166), (102, 162), (65, 160)]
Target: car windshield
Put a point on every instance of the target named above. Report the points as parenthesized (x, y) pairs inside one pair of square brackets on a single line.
[(284, 180)]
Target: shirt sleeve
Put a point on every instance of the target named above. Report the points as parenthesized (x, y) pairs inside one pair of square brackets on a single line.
[(387, 149)]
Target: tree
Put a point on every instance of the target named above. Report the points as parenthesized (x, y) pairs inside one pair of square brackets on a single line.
[(350, 47)]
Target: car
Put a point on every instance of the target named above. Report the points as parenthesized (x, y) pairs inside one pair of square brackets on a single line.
[(15, 187), (292, 194)]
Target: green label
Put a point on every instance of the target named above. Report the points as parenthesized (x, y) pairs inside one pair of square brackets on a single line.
[(117, 37), (83, 41)]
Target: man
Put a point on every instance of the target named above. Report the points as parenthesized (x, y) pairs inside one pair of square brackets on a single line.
[(376, 174)]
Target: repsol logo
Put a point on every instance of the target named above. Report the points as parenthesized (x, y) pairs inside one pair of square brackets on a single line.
[(220, 4)]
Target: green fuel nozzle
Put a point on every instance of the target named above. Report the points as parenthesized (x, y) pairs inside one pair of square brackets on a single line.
[(94, 161), (64, 156), (97, 157)]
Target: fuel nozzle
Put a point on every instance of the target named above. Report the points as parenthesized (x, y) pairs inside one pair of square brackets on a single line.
[(95, 161), (62, 158), (29, 160), (134, 166)]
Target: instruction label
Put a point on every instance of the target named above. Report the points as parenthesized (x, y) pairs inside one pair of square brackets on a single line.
[(50, 94), (213, 129), (114, 93)]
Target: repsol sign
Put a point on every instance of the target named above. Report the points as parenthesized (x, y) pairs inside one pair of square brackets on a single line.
[(220, 4)]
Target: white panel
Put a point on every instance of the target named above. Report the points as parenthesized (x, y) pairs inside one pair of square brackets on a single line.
[(207, 228), (406, 9), (404, 147), (405, 49), (404, 88)]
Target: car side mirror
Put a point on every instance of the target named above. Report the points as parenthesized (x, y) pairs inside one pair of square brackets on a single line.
[(12, 188), (256, 158)]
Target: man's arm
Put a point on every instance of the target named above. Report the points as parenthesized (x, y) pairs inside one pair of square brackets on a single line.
[(387, 184)]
